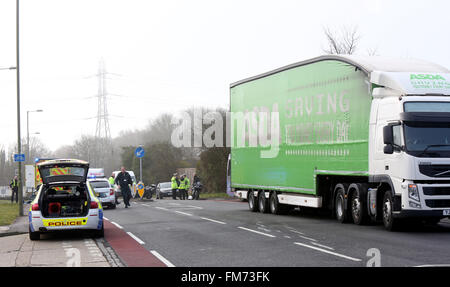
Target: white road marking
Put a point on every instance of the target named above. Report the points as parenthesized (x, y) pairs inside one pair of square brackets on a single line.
[(184, 213), (264, 229), (216, 221), (116, 224), (146, 205), (105, 218), (295, 231), (307, 238), (136, 238), (160, 257), (193, 206), (321, 245), (174, 204), (162, 208), (434, 265), (255, 231), (328, 252)]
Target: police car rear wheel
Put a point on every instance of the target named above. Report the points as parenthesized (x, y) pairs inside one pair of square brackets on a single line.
[(99, 233), (34, 235)]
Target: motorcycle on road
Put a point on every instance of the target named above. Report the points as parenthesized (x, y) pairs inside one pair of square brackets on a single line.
[(196, 189)]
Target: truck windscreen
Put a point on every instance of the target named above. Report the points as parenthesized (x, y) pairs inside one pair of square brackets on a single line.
[(430, 140)]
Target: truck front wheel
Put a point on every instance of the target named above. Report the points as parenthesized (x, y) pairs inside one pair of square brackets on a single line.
[(358, 204), (390, 223)]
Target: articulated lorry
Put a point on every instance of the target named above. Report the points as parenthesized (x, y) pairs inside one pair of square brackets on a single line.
[(366, 137)]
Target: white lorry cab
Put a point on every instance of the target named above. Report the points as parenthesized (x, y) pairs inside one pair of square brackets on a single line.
[(409, 142)]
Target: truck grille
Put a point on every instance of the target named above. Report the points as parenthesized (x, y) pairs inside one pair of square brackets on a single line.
[(436, 203), (435, 170), (436, 190)]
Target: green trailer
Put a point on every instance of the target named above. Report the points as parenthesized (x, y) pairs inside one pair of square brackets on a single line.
[(308, 134)]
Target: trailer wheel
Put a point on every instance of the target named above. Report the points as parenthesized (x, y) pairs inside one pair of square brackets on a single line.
[(252, 205), (274, 206), (339, 204), (358, 204), (262, 202)]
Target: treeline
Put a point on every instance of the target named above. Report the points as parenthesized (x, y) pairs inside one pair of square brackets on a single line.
[(162, 157)]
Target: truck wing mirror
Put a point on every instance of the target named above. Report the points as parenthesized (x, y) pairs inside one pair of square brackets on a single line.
[(388, 135), (388, 149)]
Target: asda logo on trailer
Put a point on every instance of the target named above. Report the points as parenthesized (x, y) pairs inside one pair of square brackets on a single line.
[(426, 77)]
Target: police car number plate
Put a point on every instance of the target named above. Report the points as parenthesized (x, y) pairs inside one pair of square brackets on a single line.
[(64, 222), (446, 212)]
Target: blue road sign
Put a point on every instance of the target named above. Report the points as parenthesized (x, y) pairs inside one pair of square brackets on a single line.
[(139, 152), (19, 157)]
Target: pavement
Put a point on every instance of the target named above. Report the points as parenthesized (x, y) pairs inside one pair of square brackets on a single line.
[(116, 249), (53, 250), (20, 251)]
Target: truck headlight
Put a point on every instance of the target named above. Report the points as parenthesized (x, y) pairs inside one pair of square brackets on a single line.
[(414, 204), (413, 192)]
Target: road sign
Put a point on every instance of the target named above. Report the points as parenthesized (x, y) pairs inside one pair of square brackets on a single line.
[(140, 189), (139, 152), (19, 157), (29, 176)]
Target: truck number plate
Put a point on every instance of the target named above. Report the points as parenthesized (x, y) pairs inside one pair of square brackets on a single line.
[(446, 212)]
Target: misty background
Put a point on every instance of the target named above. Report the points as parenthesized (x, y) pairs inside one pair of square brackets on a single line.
[(165, 57)]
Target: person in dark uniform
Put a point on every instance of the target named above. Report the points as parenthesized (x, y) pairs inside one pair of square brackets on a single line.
[(123, 179)]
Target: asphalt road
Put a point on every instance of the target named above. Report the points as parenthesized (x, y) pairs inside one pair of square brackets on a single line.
[(210, 233)]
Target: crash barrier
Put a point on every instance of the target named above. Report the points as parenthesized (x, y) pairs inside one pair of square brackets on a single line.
[(5, 191)]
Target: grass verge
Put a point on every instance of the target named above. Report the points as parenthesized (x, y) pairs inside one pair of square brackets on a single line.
[(8, 212)]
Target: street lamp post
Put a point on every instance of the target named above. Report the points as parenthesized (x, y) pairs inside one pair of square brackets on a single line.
[(19, 144), (28, 132)]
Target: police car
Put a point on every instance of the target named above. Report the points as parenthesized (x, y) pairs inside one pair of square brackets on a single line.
[(104, 191), (64, 201)]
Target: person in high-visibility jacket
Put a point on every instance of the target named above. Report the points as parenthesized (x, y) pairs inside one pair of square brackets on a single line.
[(14, 185), (174, 186), (111, 180), (182, 187)]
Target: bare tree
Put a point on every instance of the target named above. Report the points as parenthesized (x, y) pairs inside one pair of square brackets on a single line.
[(372, 52), (344, 41)]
